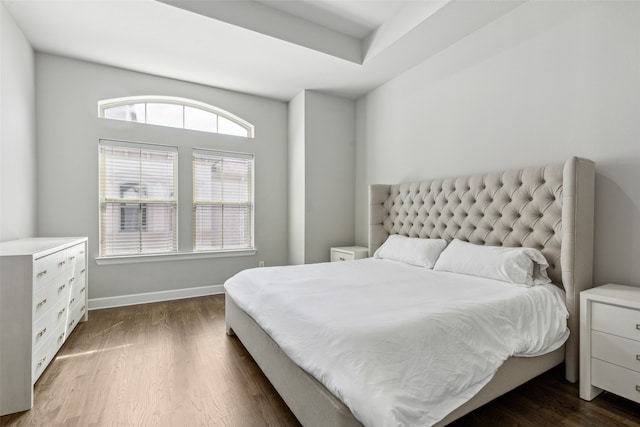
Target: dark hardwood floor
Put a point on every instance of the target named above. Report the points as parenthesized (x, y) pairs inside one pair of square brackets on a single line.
[(171, 364)]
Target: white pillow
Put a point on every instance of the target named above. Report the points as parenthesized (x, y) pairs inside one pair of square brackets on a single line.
[(526, 266), (411, 250)]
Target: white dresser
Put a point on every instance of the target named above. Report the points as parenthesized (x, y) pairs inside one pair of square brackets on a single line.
[(610, 341), (43, 296)]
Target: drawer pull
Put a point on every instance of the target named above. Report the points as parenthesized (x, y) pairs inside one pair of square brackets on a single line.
[(82, 290), (342, 259), (638, 326), (64, 285), (72, 279), (41, 333), (61, 312), (72, 300), (41, 361), (638, 388), (82, 309), (42, 273), (71, 323), (83, 270), (81, 252), (71, 258), (61, 336), (61, 263), (43, 302)]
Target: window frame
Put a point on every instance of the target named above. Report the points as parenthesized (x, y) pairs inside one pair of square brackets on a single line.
[(106, 104), (102, 199), (250, 202)]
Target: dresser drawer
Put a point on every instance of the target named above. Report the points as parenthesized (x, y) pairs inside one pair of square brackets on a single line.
[(44, 327), (624, 322), (78, 289), (76, 258), (49, 268), (43, 355), (41, 303), (621, 381), (617, 350), (48, 295), (75, 315)]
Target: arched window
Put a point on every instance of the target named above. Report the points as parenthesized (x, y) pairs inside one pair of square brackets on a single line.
[(175, 112)]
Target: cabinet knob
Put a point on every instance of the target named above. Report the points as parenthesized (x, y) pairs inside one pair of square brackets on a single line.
[(43, 302), (61, 263), (62, 287), (61, 336), (41, 333), (42, 273), (71, 323), (72, 257), (41, 361), (72, 280), (61, 312)]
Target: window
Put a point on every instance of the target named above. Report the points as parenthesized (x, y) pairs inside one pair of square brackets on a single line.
[(175, 112), (138, 198), (222, 200)]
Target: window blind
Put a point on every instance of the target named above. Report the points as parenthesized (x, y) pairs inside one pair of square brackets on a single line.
[(138, 198), (222, 200)]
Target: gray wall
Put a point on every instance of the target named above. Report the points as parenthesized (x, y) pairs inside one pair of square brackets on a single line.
[(330, 176), (17, 136), (542, 83), (321, 175), (297, 179), (68, 131)]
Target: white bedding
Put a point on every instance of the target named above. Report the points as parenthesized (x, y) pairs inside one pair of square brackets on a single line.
[(400, 345)]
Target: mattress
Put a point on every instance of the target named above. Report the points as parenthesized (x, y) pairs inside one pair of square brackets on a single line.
[(398, 344)]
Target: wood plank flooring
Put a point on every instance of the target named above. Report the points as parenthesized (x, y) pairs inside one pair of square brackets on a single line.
[(171, 364)]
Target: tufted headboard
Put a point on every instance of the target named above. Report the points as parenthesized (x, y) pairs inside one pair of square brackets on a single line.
[(549, 208)]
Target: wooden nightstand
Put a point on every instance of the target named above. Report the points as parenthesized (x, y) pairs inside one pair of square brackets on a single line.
[(349, 253), (610, 341)]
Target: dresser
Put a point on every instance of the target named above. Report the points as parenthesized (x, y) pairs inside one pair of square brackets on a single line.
[(348, 253), (610, 341), (43, 296)]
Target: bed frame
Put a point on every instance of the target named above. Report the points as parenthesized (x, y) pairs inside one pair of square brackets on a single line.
[(549, 208)]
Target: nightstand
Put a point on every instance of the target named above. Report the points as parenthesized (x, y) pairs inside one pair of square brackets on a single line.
[(349, 253), (610, 341)]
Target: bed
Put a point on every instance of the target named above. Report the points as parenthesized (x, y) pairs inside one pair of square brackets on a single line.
[(547, 208)]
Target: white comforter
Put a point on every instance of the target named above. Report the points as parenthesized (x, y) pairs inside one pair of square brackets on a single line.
[(399, 345)]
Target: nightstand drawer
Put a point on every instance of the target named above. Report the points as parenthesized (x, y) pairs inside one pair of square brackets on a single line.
[(624, 322), (348, 253), (341, 256), (617, 350), (621, 381)]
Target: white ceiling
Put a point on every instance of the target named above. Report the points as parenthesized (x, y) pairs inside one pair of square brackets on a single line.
[(273, 48)]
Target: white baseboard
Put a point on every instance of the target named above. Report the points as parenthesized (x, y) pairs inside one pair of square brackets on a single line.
[(123, 300)]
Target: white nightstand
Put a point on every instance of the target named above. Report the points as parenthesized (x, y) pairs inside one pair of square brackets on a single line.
[(349, 253), (610, 341)]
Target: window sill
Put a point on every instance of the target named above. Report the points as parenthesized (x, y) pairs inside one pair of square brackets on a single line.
[(132, 259)]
